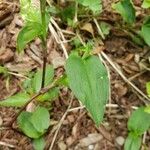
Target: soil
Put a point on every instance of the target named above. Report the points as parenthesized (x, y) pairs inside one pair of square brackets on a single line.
[(78, 131)]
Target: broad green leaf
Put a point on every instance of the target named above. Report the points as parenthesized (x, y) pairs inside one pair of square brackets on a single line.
[(26, 126), (40, 119), (39, 143), (145, 30), (95, 6), (148, 88), (132, 142), (37, 79), (146, 4), (126, 10), (49, 96), (139, 121), (27, 34), (89, 82), (29, 11), (17, 100)]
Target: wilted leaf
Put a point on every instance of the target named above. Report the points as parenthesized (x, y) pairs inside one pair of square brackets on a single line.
[(126, 10), (136, 121), (132, 142), (88, 27), (40, 119), (27, 34), (37, 79), (89, 82), (26, 126), (95, 6), (39, 143), (145, 30), (146, 4), (17, 100)]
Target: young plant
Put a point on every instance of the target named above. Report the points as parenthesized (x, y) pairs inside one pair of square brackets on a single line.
[(87, 76)]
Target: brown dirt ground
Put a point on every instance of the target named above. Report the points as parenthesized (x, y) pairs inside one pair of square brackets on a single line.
[(77, 126)]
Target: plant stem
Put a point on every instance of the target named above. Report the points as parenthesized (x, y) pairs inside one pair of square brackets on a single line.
[(44, 63), (43, 37), (42, 91)]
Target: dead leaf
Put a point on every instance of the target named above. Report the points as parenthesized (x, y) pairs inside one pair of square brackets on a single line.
[(88, 27)]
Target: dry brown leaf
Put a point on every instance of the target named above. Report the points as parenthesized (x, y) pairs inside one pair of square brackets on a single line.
[(88, 27)]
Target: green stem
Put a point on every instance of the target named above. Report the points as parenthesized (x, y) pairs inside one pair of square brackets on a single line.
[(43, 19)]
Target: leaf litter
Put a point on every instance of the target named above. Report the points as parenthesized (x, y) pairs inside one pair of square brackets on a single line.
[(78, 130)]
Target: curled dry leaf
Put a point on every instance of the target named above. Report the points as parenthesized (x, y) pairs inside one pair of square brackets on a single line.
[(88, 27)]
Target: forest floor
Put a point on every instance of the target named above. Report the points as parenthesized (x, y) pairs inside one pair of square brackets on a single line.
[(78, 131)]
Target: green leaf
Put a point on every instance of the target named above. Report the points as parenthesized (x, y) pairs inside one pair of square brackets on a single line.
[(145, 30), (37, 79), (147, 109), (89, 82), (17, 100), (146, 4), (26, 126), (126, 10), (39, 143), (136, 122), (29, 11), (40, 119), (27, 34), (3, 70), (48, 96), (132, 142), (68, 13), (34, 124), (63, 81), (95, 6), (105, 28), (148, 88)]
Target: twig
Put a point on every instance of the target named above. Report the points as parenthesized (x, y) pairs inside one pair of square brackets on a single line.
[(60, 123), (42, 91), (57, 38), (6, 144), (119, 71), (99, 29), (124, 78), (107, 106)]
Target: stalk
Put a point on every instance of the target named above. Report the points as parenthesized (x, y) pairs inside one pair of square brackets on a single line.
[(43, 37)]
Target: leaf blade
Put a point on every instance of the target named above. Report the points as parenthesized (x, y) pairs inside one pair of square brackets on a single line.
[(17, 100), (27, 34), (85, 82)]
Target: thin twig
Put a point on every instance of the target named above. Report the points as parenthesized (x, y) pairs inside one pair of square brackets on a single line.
[(6, 144), (60, 123), (107, 106), (124, 78), (42, 91), (57, 38), (119, 71)]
